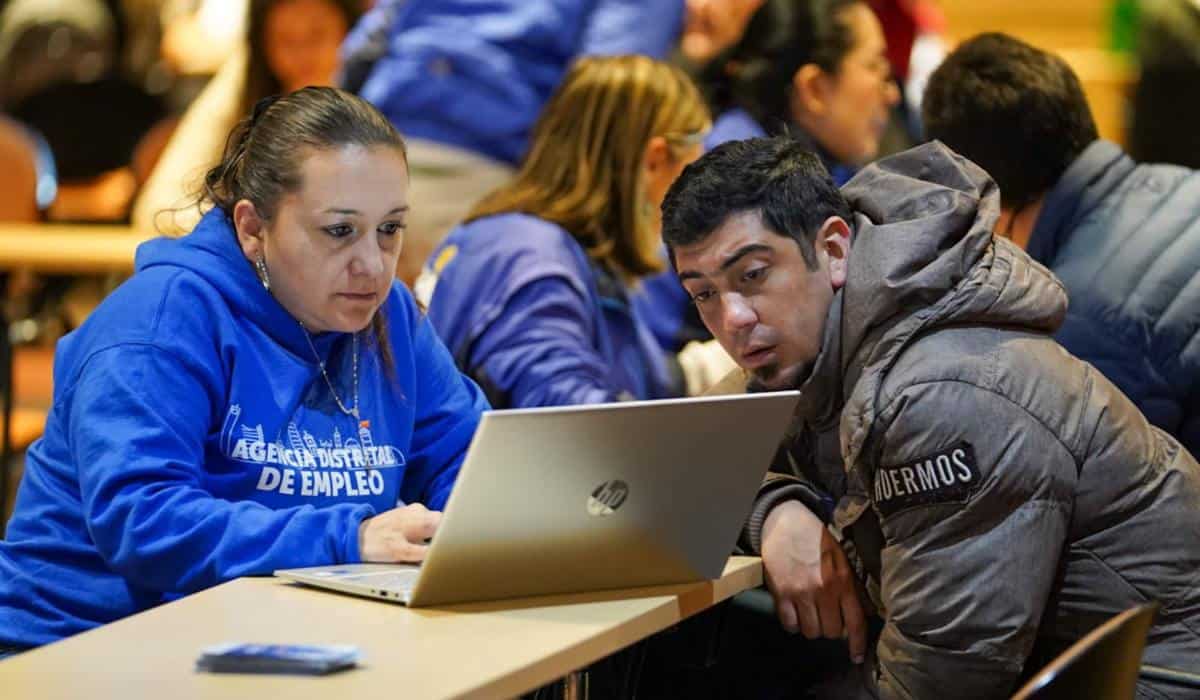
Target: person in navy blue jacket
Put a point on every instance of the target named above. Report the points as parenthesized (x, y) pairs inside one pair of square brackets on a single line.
[(465, 80), (531, 294), (261, 394), (814, 69), (1124, 238)]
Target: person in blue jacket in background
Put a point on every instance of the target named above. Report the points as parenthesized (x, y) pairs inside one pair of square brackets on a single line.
[(816, 70), (1122, 237), (531, 293), (261, 394), (464, 81)]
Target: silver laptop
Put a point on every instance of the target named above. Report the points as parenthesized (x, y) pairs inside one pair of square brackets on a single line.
[(586, 498)]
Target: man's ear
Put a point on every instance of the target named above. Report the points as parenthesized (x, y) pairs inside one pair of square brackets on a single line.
[(250, 228), (810, 92), (833, 245)]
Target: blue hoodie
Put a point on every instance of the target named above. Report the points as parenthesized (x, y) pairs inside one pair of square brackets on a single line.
[(193, 439), (534, 321), (475, 74)]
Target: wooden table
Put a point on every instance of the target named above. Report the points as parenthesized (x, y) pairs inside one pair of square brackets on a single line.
[(73, 248), (483, 650)]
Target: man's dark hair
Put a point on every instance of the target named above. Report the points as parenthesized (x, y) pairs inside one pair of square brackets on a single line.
[(1017, 111), (778, 177)]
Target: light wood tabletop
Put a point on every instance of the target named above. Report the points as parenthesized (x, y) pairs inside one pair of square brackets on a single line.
[(483, 650), (74, 248)]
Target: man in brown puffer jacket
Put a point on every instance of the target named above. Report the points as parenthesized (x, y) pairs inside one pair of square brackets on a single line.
[(990, 496)]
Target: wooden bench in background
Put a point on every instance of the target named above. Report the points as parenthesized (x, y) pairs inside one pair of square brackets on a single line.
[(1077, 30), (61, 249)]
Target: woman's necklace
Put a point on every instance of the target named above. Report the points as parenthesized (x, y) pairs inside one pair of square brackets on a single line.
[(348, 411)]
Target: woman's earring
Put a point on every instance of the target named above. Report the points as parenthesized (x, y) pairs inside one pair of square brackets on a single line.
[(263, 277)]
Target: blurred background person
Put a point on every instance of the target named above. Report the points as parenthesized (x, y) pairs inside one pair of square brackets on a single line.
[(1122, 237), (289, 44), (19, 176), (1167, 47), (199, 36), (531, 292), (88, 119), (914, 31), (711, 26), (60, 61), (816, 69), (464, 82)]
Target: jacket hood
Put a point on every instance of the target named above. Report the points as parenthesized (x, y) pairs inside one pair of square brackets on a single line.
[(211, 251), (922, 256)]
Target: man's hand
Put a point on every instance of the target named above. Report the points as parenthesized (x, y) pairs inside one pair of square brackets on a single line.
[(398, 535), (810, 579)]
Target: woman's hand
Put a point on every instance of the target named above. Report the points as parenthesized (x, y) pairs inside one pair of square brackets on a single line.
[(398, 535)]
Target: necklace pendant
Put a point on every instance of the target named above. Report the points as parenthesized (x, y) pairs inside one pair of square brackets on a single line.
[(329, 382)]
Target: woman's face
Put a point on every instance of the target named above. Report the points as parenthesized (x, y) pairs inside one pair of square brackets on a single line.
[(852, 106), (301, 40), (332, 246)]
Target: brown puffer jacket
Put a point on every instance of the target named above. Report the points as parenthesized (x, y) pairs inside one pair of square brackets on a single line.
[(994, 490)]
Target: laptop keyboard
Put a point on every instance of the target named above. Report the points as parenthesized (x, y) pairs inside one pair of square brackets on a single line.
[(402, 580)]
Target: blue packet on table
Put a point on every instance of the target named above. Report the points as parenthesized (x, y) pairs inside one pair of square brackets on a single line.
[(303, 659)]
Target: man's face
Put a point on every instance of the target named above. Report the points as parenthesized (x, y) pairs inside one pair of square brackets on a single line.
[(759, 298)]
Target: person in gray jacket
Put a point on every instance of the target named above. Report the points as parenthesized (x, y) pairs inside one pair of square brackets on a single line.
[(1123, 237), (951, 468)]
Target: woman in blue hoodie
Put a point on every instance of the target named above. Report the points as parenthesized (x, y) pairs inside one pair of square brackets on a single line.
[(531, 294), (815, 69), (261, 394)]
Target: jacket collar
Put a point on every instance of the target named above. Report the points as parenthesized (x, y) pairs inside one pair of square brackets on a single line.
[(1085, 183), (923, 256), (821, 397)]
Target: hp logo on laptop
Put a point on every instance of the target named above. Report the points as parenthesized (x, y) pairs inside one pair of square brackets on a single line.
[(607, 498)]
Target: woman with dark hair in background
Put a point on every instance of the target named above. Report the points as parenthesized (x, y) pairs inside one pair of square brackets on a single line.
[(261, 394), (290, 44), (815, 69)]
